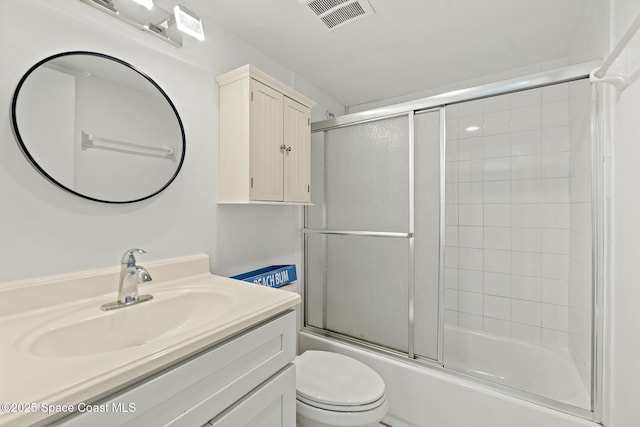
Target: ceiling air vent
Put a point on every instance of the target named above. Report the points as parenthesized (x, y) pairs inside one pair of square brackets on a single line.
[(338, 13)]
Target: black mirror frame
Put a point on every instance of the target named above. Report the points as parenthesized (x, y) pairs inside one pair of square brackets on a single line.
[(25, 151)]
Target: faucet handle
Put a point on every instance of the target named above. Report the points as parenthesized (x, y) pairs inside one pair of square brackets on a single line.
[(128, 257)]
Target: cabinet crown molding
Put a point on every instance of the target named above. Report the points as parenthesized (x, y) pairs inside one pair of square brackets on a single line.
[(255, 73)]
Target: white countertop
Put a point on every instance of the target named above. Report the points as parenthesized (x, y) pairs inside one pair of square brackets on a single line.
[(28, 307)]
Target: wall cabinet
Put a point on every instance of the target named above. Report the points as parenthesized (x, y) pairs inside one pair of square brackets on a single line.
[(248, 380), (265, 133)]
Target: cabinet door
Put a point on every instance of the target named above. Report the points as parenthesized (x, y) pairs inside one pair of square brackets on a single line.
[(297, 138), (266, 162), (273, 404)]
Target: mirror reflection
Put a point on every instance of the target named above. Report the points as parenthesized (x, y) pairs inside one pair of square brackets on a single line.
[(97, 127)]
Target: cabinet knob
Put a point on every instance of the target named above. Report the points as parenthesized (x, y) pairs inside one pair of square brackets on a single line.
[(282, 148), (289, 149)]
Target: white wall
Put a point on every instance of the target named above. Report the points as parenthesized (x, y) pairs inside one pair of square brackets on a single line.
[(45, 230), (624, 290)]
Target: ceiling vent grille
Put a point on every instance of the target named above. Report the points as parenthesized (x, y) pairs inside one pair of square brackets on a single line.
[(337, 13)]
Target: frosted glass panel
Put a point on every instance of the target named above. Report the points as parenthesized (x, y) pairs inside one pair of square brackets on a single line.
[(367, 289), (427, 232), (366, 176)]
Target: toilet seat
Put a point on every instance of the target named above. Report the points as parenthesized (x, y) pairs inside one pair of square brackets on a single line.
[(339, 383)]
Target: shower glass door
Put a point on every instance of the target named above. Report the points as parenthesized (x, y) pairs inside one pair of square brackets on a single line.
[(362, 235)]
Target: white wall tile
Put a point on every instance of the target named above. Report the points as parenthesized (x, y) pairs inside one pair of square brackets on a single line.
[(526, 288), (497, 215), (451, 299), (471, 259), (470, 170), (554, 165), (470, 149), (555, 317), (451, 172), (470, 280), (526, 191), (451, 278), (470, 302), (451, 214), (498, 284), (527, 142), (451, 193), (525, 215), (555, 114), (526, 312), (451, 317), (451, 257), (451, 235), (471, 214), (555, 266), (555, 215), (525, 263), (497, 261), (555, 241), (555, 190), (497, 191), (554, 291), (498, 168), (497, 145), (527, 118), (496, 123), (525, 167), (497, 238), (497, 307), (470, 237), (526, 239), (451, 150), (553, 140)]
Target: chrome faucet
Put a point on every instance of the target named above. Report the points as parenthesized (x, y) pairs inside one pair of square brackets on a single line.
[(131, 275)]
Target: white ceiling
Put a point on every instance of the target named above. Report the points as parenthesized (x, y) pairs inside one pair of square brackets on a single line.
[(408, 45)]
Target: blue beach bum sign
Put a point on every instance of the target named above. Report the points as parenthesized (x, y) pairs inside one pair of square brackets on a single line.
[(273, 276)]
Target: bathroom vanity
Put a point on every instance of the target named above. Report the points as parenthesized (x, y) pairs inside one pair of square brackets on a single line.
[(207, 350)]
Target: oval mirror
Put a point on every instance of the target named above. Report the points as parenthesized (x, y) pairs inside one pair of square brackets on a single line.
[(97, 127)]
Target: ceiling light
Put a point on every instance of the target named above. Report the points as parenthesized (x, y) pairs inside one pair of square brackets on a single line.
[(472, 128), (146, 3), (188, 22)]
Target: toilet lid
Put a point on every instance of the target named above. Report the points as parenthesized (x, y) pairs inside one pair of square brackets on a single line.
[(337, 380)]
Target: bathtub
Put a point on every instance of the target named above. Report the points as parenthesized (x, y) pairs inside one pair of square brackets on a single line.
[(421, 396), (524, 366)]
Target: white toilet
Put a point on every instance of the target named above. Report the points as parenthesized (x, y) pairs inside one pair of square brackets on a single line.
[(335, 390)]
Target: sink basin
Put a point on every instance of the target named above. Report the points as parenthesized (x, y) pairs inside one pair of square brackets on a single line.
[(92, 331)]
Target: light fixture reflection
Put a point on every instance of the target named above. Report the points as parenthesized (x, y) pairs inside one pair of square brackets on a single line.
[(188, 22), (472, 128)]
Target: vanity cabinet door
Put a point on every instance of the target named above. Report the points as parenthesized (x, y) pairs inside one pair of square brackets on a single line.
[(266, 147), (297, 155), (273, 404)]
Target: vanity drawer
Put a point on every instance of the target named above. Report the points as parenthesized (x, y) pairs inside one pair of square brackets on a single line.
[(273, 404), (197, 390)]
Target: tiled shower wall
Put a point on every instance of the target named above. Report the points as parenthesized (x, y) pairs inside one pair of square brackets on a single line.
[(509, 215)]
